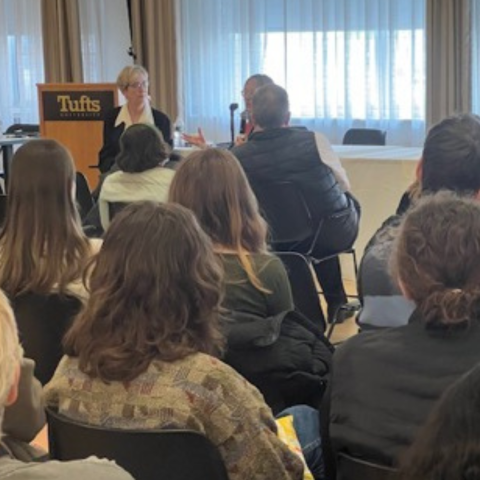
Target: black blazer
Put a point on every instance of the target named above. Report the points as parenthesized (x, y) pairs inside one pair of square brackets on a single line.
[(112, 134)]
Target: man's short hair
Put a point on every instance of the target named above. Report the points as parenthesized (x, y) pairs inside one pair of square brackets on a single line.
[(451, 155), (10, 350), (270, 106)]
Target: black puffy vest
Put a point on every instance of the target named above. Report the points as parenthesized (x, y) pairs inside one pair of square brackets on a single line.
[(290, 154)]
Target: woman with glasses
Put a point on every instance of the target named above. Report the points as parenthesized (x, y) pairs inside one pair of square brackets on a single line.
[(133, 84)]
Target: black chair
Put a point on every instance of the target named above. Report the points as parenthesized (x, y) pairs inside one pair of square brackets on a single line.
[(3, 208), (146, 455), (84, 195), (351, 468), (42, 322), (292, 227), (24, 129), (304, 290), (364, 136)]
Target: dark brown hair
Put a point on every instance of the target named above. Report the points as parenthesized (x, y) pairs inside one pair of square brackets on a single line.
[(141, 148), (437, 258), (212, 184), (155, 291), (42, 244), (448, 445)]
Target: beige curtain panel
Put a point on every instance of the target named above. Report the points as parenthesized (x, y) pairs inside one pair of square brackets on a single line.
[(154, 43), (62, 41), (449, 85)]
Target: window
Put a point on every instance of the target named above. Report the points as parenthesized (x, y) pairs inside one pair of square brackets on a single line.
[(344, 63)]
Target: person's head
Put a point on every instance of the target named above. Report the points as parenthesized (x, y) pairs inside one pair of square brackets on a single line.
[(132, 81), (436, 258), (213, 185), (41, 242), (10, 355), (253, 82), (141, 148), (451, 156), (271, 107), (448, 445), (155, 292)]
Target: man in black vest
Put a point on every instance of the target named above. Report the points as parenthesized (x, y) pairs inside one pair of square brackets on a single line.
[(277, 153)]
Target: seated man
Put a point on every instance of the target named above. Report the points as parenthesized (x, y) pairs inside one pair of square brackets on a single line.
[(11, 469), (276, 153), (450, 161)]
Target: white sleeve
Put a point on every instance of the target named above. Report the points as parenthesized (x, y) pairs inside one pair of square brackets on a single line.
[(330, 158)]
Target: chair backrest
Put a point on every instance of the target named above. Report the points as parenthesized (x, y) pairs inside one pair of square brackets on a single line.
[(84, 195), (351, 468), (23, 129), (304, 290), (147, 455), (286, 211), (115, 207), (42, 322), (364, 136)]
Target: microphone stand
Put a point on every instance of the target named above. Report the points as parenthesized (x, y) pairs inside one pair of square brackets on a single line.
[(233, 107)]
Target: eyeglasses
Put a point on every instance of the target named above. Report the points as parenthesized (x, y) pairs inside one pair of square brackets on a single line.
[(138, 85)]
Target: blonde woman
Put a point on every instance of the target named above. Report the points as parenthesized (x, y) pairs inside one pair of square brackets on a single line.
[(133, 82)]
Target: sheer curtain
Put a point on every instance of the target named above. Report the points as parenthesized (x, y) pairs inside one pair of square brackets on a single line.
[(21, 54), (344, 62), (475, 39), (105, 37)]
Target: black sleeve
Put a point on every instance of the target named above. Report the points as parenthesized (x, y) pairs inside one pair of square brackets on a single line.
[(162, 122), (111, 137)]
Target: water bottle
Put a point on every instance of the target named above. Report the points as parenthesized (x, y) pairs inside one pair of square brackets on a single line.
[(178, 141)]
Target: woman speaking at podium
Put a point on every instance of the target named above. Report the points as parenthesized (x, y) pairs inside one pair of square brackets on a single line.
[(132, 81)]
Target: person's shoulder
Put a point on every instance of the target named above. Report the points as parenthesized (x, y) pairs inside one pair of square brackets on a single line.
[(159, 116), (112, 114), (73, 470)]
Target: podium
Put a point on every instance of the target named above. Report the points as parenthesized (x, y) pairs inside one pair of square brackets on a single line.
[(73, 113)]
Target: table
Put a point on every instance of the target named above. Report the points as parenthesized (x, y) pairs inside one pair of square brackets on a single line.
[(378, 177), (6, 144)]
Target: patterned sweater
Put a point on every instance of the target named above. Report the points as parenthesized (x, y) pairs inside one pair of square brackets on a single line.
[(199, 393)]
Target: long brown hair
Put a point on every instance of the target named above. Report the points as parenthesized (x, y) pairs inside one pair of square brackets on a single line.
[(155, 291), (448, 445), (41, 243), (437, 258), (212, 184)]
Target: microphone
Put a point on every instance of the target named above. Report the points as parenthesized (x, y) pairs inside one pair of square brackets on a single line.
[(233, 107), (244, 117)]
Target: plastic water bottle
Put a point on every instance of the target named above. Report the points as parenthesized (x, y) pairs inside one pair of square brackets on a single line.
[(178, 141)]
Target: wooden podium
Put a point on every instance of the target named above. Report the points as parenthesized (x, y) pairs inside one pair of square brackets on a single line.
[(73, 113)]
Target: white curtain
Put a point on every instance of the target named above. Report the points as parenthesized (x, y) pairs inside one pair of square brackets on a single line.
[(345, 63), (21, 60), (105, 39)]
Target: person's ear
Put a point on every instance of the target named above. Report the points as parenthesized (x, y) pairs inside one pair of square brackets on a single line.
[(419, 171), (287, 119), (13, 393), (404, 289)]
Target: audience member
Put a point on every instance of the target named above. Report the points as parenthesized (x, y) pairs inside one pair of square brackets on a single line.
[(257, 297), (213, 185), (276, 153), (385, 382), (448, 445), (451, 161), (141, 175), (141, 353), (246, 125), (10, 468), (42, 246), (132, 81)]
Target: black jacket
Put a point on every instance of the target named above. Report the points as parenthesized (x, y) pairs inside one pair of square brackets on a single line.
[(285, 356), (112, 134), (386, 382)]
